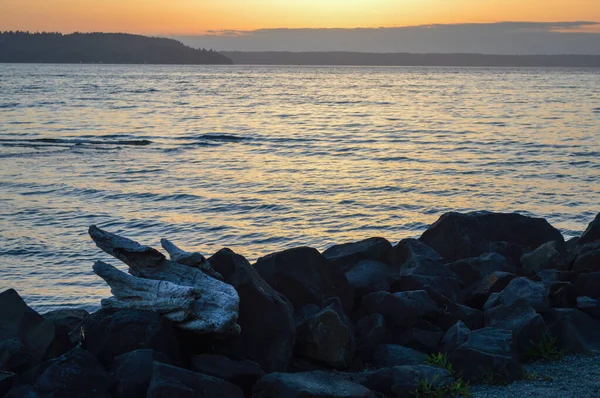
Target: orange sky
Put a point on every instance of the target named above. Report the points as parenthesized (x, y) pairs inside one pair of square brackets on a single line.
[(198, 16)]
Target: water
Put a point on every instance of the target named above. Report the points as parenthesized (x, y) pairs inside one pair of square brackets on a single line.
[(260, 159)]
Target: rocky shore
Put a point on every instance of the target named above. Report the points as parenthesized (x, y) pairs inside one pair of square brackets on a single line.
[(468, 304)]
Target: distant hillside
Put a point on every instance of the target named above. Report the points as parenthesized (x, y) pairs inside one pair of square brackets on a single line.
[(406, 59), (109, 48)]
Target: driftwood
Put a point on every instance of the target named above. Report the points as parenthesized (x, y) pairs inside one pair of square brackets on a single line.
[(183, 293)]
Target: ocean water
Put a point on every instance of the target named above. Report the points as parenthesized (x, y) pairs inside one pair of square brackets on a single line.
[(261, 159)]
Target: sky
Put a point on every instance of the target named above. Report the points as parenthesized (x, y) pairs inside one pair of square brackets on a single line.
[(305, 25)]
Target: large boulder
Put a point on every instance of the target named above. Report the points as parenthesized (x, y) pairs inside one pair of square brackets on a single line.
[(588, 285), (487, 352), (243, 374), (133, 372), (549, 276), (592, 233), (304, 276), (266, 317), (400, 310), (471, 270), (526, 325), (327, 337), (368, 276), (409, 248), (390, 355), (511, 251), (67, 325), (589, 306), (453, 313), (457, 236), (75, 374), (478, 293), (109, 333), (403, 381), (370, 332), (6, 380), (25, 335), (308, 385), (562, 295), (526, 292), (587, 257), (576, 331), (169, 382), (347, 254), (422, 273), (421, 339), (547, 256), (456, 336)]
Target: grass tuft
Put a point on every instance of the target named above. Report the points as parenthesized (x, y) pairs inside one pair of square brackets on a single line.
[(546, 350)]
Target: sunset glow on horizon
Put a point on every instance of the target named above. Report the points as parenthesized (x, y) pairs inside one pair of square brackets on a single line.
[(196, 17)]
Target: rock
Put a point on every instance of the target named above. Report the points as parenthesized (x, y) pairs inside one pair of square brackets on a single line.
[(588, 285), (456, 336), (449, 287), (453, 313), (304, 276), (592, 233), (266, 317), (390, 355), (471, 270), (458, 236), (6, 380), (109, 333), (562, 295), (588, 257), (410, 248), (403, 381), (25, 335), (67, 325), (133, 372), (427, 341), (576, 331), (180, 293), (327, 337), (478, 293), (169, 382), (194, 260), (347, 254), (511, 251), (589, 306), (75, 374), (526, 292), (400, 310), (493, 301), (369, 276), (545, 257), (486, 352), (308, 385), (549, 276), (16, 357), (370, 331), (526, 325), (243, 374)]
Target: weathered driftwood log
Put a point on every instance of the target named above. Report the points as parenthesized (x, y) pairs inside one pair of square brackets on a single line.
[(195, 260), (183, 293)]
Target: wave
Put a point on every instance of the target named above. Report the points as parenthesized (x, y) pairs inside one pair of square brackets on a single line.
[(34, 142)]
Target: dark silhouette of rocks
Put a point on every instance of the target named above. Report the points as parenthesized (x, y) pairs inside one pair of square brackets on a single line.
[(303, 330)]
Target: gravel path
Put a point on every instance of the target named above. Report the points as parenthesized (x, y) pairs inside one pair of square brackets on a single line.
[(575, 376)]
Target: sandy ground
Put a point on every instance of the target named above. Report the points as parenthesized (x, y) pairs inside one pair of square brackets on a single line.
[(574, 376)]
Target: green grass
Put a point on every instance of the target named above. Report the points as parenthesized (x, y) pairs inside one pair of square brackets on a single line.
[(492, 379), (458, 389), (546, 350), (535, 376), (440, 360)]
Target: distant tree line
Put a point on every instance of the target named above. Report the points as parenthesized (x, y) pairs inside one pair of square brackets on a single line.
[(410, 59), (111, 48)]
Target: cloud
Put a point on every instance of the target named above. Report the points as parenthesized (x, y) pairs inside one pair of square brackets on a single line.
[(573, 37)]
